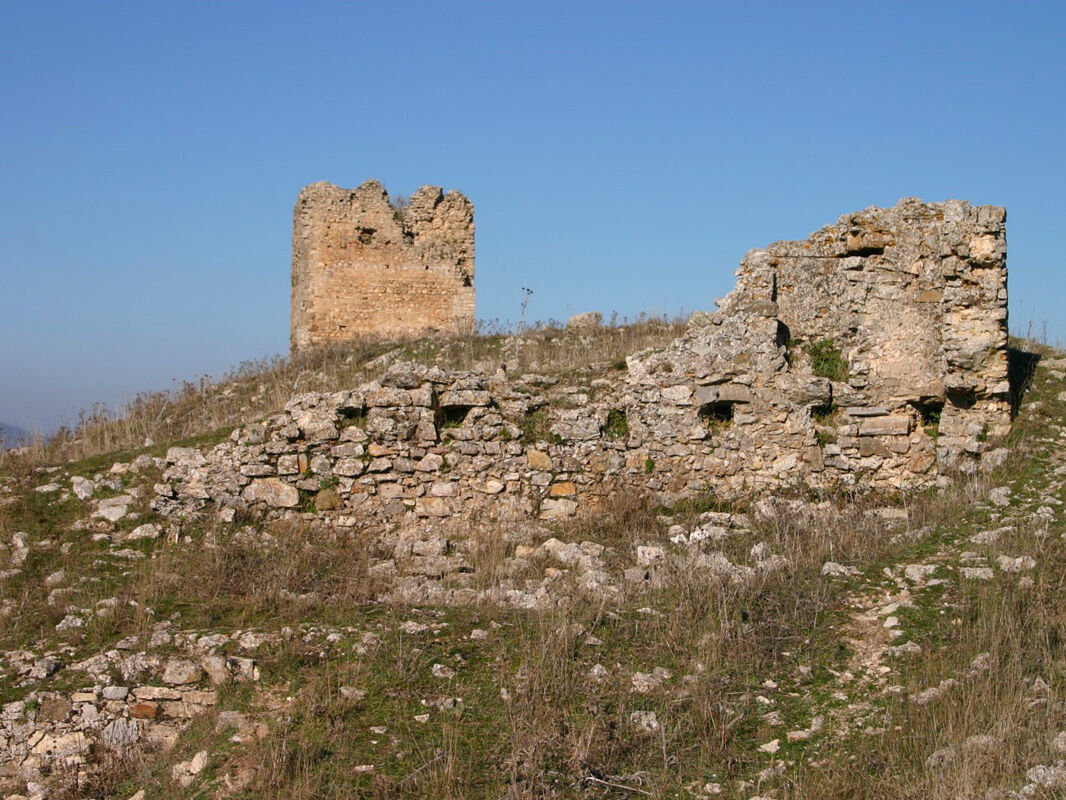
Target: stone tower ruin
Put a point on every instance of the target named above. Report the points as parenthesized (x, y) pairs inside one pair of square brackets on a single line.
[(362, 266)]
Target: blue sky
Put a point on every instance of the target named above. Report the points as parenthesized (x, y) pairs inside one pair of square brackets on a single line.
[(621, 156)]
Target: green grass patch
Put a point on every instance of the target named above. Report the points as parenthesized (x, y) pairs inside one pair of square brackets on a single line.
[(616, 427), (827, 360)]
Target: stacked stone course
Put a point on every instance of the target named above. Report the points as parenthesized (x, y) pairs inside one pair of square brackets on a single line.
[(361, 266), (55, 732)]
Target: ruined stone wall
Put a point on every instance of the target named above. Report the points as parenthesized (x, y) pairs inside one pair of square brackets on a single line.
[(915, 298), (361, 267), (909, 303)]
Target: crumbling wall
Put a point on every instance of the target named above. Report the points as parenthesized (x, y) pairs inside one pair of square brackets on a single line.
[(362, 267), (872, 355), (915, 299)]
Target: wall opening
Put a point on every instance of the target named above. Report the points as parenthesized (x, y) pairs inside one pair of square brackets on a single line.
[(716, 415), (350, 416), (824, 412), (783, 335), (929, 411), (453, 416), (1021, 366), (962, 398), (865, 251)]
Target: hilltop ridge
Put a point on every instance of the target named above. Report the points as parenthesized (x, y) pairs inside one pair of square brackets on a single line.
[(765, 644), (782, 550)]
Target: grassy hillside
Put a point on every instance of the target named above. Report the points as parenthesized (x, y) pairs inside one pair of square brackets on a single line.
[(909, 646)]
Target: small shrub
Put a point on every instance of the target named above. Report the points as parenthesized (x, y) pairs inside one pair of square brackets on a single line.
[(825, 413), (930, 413), (617, 426), (400, 204), (827, 361), (535, 428), (453, 416), (695, 506), (649, 465)]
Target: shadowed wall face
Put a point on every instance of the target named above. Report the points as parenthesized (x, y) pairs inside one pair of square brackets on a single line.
[(361, 266)]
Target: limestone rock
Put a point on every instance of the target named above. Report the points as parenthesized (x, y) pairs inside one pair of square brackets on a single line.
[(147, 531), (1000, 496), (185, 772), (120, 734), (180, 671), (83, 489), (831, 569), (1019, 564), (273, 492)]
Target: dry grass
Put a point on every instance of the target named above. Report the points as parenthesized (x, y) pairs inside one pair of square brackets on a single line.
[(1021, 631), (240, 576), (556, 732)]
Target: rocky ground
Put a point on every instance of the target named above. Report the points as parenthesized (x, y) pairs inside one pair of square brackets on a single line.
[(784, 647)]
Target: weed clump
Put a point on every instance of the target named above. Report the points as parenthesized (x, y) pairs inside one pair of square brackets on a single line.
[(535, 428), (617, 427), (827, 361)]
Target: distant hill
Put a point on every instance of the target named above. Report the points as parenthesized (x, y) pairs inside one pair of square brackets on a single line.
[(12, 435)]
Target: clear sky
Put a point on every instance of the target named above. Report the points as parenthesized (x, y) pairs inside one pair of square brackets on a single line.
[(621, 156)]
